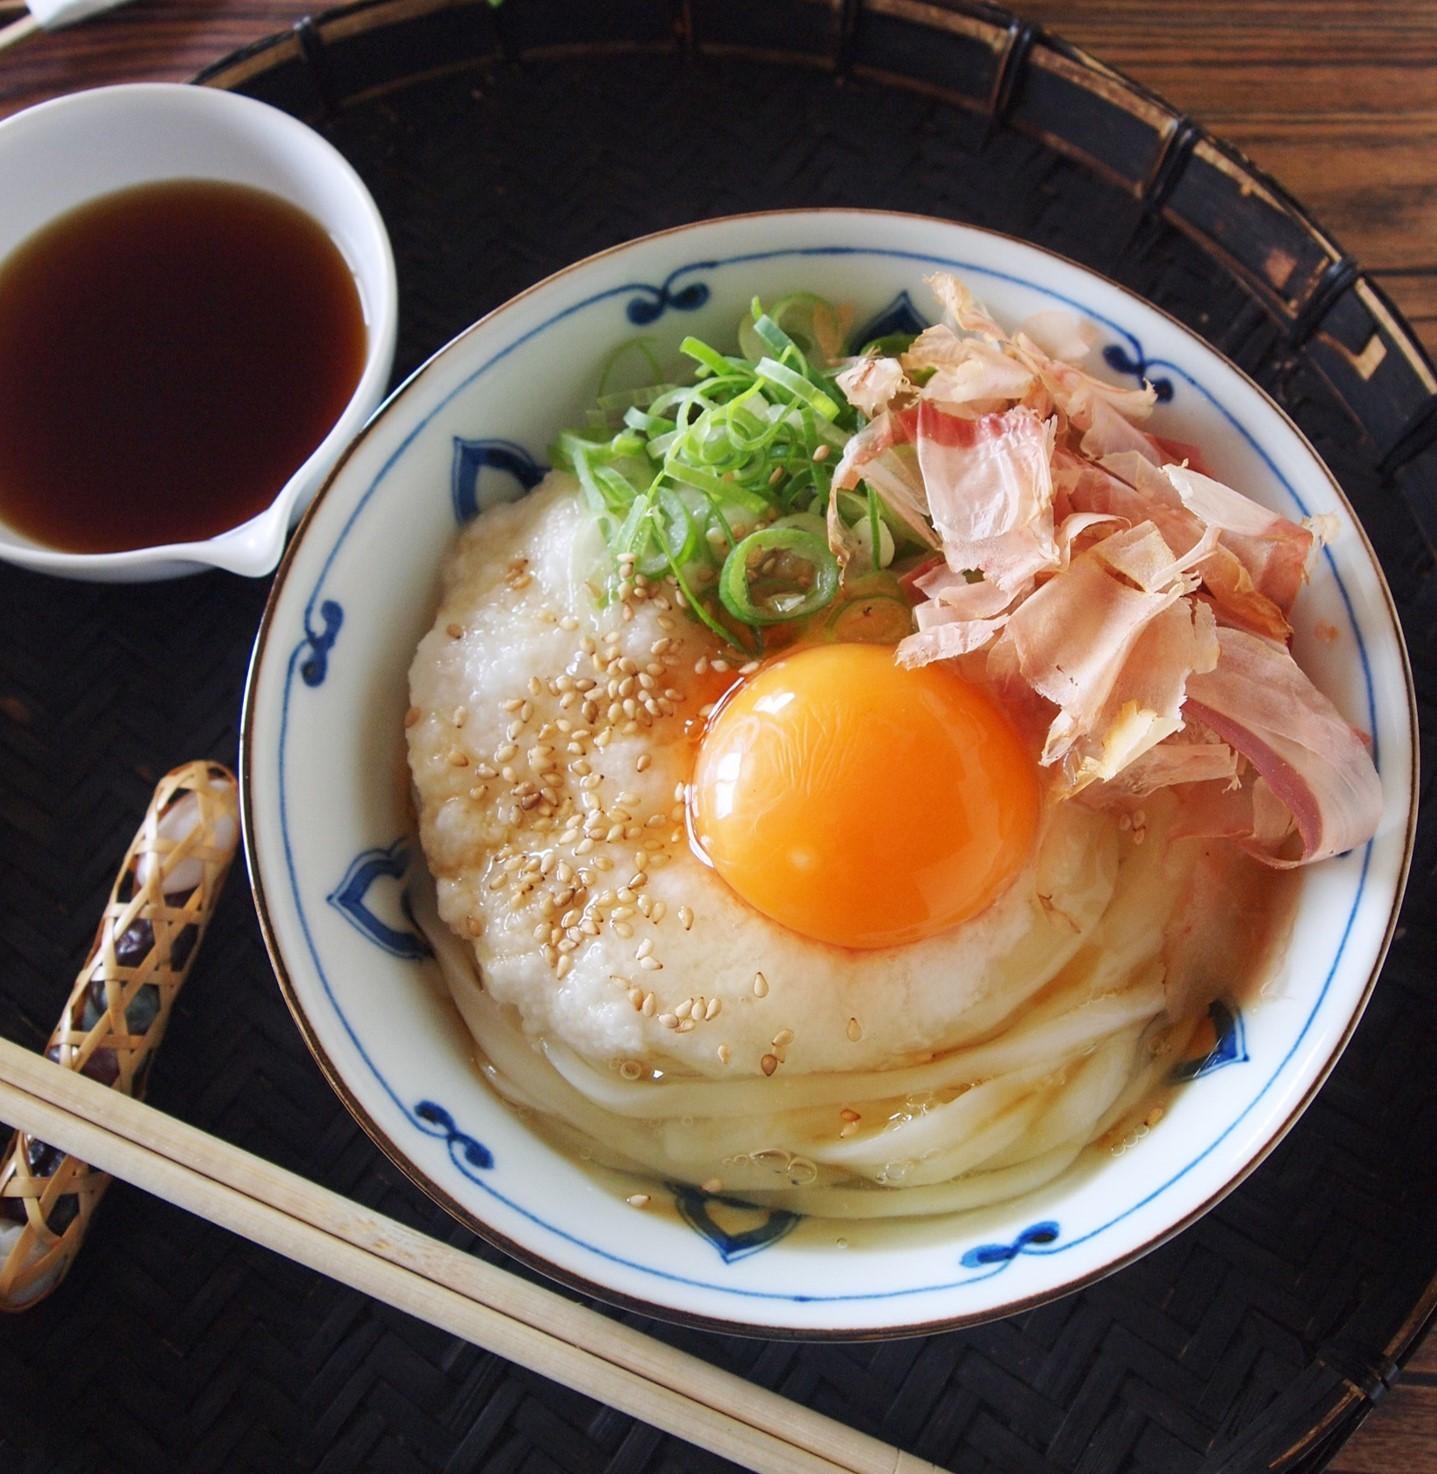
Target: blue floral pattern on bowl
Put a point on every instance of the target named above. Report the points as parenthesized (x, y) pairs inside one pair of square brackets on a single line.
[(370, 875), (653, 301), (997, 1257), (314, 666), (488, 471), (350, 558)]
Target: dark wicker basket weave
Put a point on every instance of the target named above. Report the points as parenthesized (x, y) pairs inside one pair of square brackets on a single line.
[(502, 144)]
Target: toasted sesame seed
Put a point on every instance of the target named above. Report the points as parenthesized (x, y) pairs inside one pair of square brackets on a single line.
[(684, 1009), (454, 631), (669, 1020), (637, 1200), (769, 1063), (855, 1030), (724, 1053), (458, 758), (712, 1009), (760, 985), (686, 919), (783, 1039), (687, 1025), (650, 1005), (651, 964), (412, 716)]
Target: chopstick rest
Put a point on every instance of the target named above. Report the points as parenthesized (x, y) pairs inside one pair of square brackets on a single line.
[(52, 15), (159, 908)]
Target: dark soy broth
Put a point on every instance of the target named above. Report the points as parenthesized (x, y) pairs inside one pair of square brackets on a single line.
[(169, 356)]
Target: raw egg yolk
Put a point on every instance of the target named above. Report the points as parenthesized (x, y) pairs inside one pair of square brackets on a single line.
[(860, 803)]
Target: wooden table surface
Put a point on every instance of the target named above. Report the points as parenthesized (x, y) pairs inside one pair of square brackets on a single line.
[(1336, 99)]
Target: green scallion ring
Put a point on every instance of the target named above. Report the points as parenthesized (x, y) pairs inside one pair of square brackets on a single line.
[(790, 601)]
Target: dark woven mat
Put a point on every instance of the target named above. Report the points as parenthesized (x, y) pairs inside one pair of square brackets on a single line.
[(1257, 1338)]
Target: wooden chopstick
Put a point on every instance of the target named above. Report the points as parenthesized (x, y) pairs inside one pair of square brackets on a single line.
[(524, 1323), (18, 30)]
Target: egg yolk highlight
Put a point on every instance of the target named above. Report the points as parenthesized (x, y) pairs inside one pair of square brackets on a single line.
[(859, 803)]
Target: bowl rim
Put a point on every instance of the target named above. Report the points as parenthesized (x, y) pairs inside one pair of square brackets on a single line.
[(752, 1326), (246, 545)]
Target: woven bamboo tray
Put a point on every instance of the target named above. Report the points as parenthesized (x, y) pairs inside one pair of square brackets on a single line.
[(502, 144)]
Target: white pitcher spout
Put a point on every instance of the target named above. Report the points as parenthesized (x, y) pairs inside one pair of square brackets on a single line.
[(252, 550)]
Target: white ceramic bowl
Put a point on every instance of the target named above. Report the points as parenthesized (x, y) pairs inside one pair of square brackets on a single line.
[(61, 154), (329, 832)]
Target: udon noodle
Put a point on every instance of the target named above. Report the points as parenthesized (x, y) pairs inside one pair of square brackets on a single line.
[(986, 1120), (1127, 613)]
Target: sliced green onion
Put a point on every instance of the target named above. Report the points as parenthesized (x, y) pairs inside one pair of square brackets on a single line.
[(891, 345), (675, 474), (676, 540), (621, 363), (809, 322), (706, 357), (778, 574), (882, 619), (773, 337), (776, 373), (805, 522)]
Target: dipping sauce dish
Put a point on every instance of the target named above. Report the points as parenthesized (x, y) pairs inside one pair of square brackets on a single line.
[(197, 313)]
